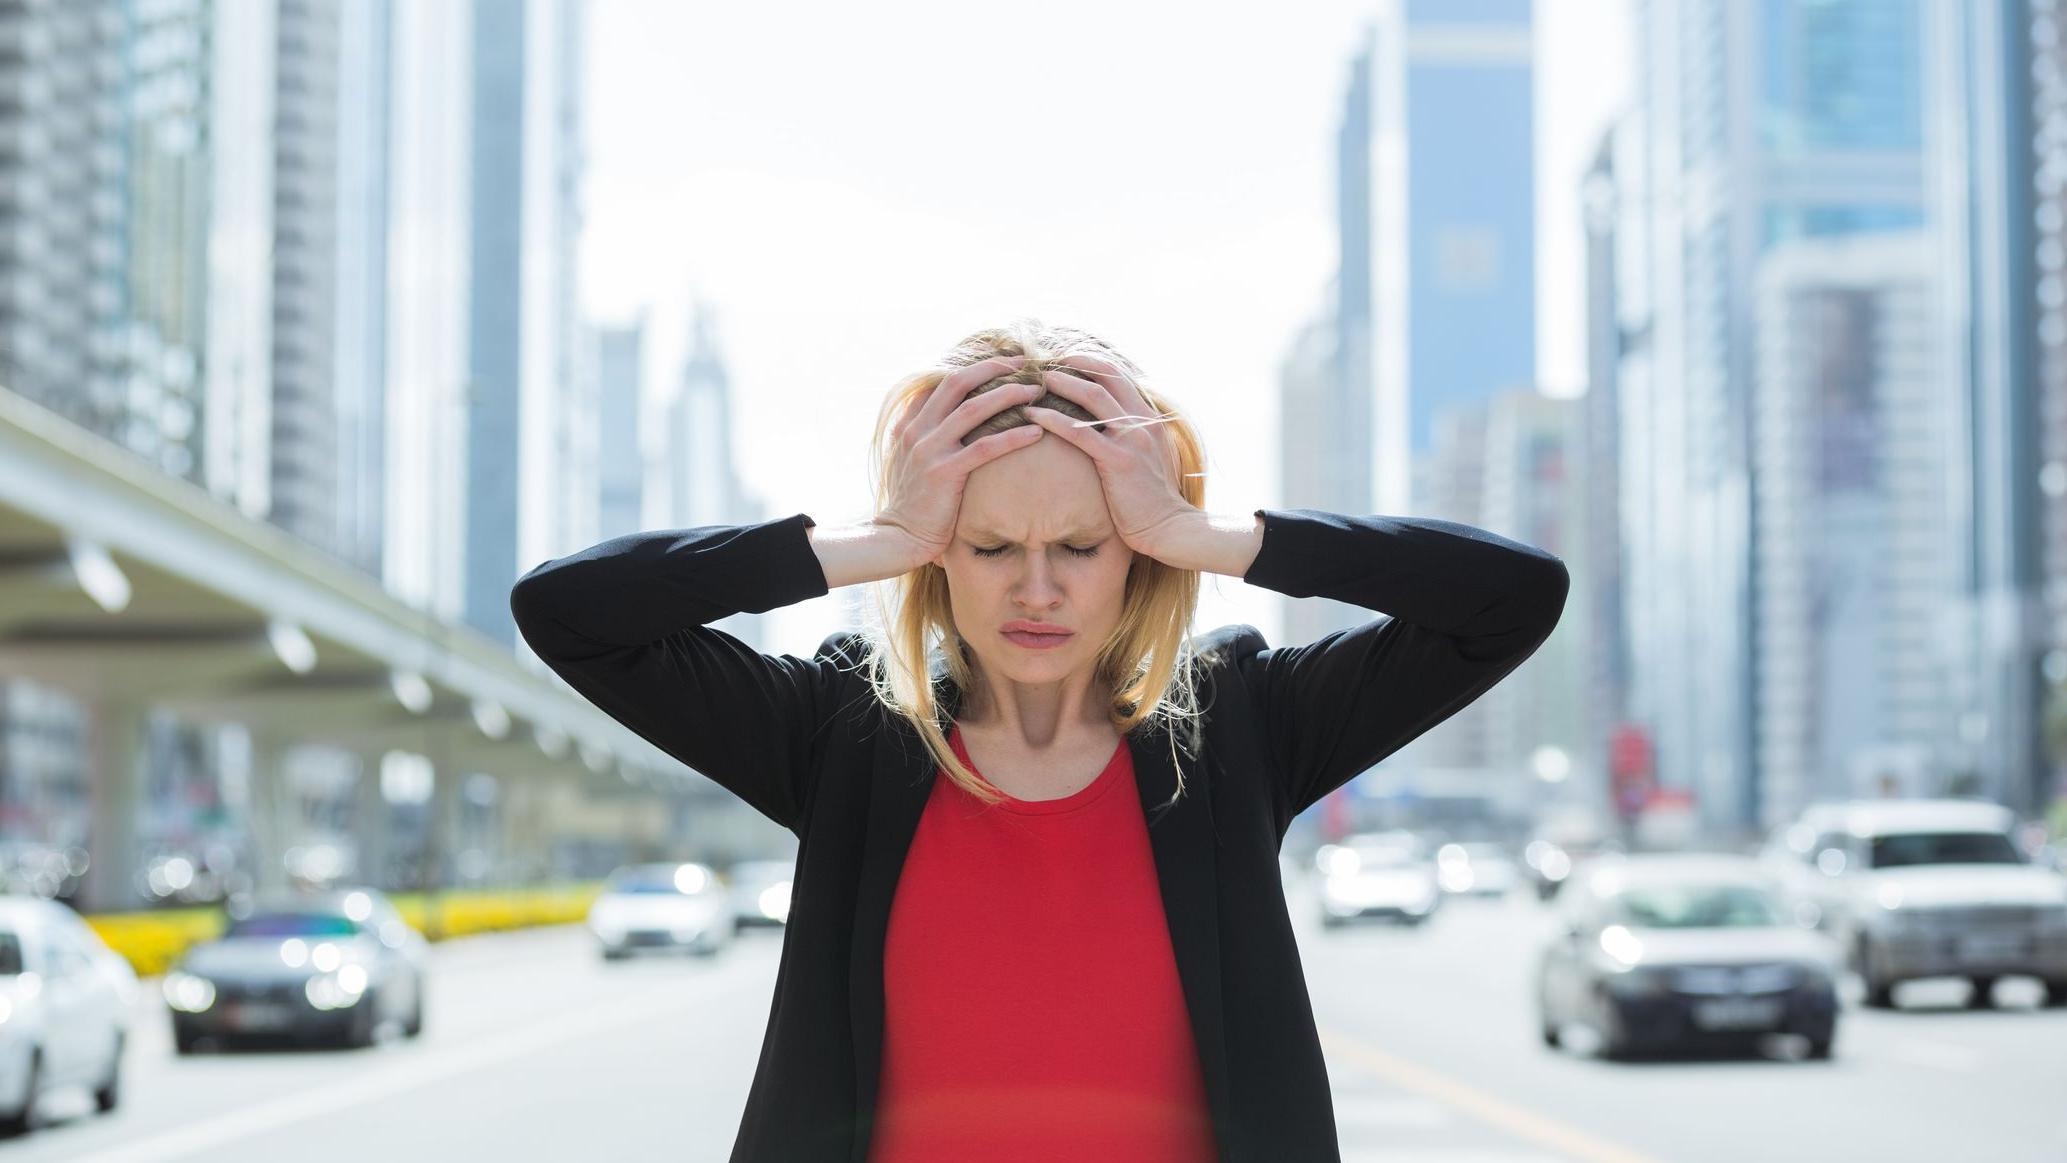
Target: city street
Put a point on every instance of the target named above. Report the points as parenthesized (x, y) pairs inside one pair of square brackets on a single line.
[(536, 1049)]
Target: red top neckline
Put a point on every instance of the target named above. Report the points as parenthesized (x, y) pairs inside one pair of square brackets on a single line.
[(1084, 796)]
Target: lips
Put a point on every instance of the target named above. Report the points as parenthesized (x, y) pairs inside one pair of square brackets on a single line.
[(1022, 626)]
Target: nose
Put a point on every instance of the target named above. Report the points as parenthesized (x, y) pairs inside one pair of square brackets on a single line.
[(1036, 587)]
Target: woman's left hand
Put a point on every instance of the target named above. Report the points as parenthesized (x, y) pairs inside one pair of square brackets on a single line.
[(1136, 461)]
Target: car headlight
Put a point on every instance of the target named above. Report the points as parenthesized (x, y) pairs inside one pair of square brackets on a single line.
[(187, 993), (336, 991)]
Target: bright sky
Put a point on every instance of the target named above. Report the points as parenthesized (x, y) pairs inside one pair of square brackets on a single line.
[(854, 187)]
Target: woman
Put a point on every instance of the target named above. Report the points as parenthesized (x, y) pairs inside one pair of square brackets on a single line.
[(1023, 960)]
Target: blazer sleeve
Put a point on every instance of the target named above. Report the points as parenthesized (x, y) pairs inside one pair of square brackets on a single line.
[(1465, 607), (625, 623)]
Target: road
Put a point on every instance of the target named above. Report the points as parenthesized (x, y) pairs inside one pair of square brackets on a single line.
[(534, 1049)]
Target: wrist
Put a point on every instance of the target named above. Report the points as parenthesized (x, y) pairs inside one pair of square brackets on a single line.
[(1224, 543), (865, 551)]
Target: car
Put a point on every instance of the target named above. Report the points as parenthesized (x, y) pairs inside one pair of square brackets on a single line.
[(1662, 951), (671, 905), (760, 892), (1551, 862), (333, 965), (1476, 868), (1917, 888), (65, 1000), (1387, 875)]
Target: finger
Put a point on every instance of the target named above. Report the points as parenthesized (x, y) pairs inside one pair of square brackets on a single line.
[(979, 408), (993, 446), (1090, 396), (906, 413), (1119, 383), (948, 394), (1092, 441)]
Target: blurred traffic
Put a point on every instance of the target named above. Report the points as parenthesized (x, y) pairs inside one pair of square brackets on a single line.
[(1659, 974)]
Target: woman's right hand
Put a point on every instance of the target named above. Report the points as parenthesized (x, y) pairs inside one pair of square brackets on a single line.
[(924, 493)]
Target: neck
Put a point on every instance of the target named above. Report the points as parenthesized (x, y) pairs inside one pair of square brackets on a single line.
[(1038, 715)]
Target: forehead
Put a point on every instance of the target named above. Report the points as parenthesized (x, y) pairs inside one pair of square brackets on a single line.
[(1045, 491)]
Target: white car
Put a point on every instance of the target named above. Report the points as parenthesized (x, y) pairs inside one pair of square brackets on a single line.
[(760, 892), (1928, 888), (1388, 875), (65, 1000), (662, 906), (1476, 868)]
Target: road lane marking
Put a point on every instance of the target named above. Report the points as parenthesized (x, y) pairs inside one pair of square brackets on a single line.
[(1516, 1120), (391, 1074)]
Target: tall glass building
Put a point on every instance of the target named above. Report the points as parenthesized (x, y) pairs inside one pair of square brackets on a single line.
[(1754, 124)]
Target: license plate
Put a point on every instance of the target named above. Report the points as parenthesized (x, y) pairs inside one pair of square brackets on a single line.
[(1991, 947), (1736, 1013), (257, 1015)]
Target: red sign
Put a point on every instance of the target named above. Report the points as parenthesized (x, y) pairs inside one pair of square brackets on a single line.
[(1632, 771)]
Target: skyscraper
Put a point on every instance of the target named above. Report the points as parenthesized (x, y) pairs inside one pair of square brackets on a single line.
[(1757, 124), (525, 422)]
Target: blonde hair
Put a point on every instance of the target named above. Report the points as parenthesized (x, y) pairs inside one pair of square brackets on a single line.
[(1147, 662)]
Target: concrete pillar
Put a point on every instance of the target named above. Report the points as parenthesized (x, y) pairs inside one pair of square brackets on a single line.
[(115, 783), (273, 821), (372, 824), (523, 825)]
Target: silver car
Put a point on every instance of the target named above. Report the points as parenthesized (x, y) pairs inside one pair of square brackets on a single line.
[(1929, 888), (328, 966), (1665, 951)]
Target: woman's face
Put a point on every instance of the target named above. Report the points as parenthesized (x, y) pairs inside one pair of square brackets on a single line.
[(1036, 507)]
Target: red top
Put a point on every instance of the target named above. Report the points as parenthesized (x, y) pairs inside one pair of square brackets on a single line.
[(1032, 1009)]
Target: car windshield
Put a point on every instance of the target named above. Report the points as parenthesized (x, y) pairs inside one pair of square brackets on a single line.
[(10, 955), (1905, 848), (293, 925), (1696, 906)]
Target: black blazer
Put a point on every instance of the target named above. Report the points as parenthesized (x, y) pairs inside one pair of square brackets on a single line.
[(805, 742)]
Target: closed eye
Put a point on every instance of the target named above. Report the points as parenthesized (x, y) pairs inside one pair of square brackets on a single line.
[(998, 549)]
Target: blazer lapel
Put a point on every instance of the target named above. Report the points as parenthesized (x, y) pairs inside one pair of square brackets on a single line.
[(902, 781), (1181, 836)]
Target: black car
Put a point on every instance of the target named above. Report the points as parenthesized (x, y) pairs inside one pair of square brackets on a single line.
[(329, 966), (1659, 952)]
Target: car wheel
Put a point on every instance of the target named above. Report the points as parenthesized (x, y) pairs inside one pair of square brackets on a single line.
[(23, 1121), (365, 1022), (185, 1041), (1614, 1041), (2056, 992), (616, 954), (108, 1094), (1880, 994), (415, 1023), (1983, 995), (1819, 1048)]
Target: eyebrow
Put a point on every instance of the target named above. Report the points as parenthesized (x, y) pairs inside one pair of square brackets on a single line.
[(1071, 535)]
